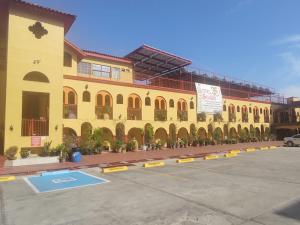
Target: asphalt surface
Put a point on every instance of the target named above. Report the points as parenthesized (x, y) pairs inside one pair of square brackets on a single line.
[(259, 188)]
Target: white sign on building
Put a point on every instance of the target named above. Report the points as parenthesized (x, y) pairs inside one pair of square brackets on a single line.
[(209, 98)]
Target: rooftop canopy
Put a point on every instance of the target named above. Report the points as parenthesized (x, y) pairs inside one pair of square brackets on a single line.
[(154, 62)]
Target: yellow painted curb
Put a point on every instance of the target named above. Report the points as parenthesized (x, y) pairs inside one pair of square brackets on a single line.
[(6, 179), (208, 157), (273, 147), (153, 164), (235, 151), (114, 169), (186, 160), (250, 150), (264, 148), (230, 155)]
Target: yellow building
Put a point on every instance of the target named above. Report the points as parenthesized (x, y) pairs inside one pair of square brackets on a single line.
[(51, 88)]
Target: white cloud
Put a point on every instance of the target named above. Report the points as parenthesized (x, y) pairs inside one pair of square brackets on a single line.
[(292, 39), (292, 63)]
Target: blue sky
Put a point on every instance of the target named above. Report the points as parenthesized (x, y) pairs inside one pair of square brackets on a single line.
[(255, 40)]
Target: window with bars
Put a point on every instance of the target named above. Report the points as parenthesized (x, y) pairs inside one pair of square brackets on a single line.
[(115, 73), (100, 71), (84, 68)]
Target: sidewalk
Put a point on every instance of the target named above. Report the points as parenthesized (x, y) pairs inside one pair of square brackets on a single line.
[(114, 159)]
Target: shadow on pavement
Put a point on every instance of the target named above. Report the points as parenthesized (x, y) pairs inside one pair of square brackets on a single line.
[(291, 211)]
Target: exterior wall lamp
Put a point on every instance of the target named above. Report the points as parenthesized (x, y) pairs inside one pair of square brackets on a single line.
[(11, 128)]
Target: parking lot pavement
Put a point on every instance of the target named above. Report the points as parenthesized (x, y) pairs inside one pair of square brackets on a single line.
[(256, 188)]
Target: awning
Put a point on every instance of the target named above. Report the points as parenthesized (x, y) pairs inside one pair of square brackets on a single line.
[(154, 62)]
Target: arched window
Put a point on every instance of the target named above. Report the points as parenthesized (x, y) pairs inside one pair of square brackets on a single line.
[(238, 108), (156, 104), (147, 101), (250, 110), (137, 103), (99, 100), (119, 99), (160, 103), (103, 98), (86, 96), (107, 100), (260, 110), (130, 102), (171, 103), (179, 106), (224, 108), (67, 59), (134, 109), (183, 106), (36, 76), (71, 98), (191, 105), (163, 104)]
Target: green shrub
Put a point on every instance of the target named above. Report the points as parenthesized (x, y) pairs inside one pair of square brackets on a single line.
[(25, 153), (11, 152), (46, 148)]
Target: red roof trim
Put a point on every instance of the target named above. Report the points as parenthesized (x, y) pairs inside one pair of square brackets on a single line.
[(68, 18), (105, 56), (77, 50)]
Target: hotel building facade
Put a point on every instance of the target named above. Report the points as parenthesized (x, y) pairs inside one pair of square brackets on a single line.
[(50, 88)]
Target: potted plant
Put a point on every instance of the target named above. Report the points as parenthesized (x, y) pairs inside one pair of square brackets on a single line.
[(118, 146), (25, 153), (63, 152), (11, 153), (158, 144)]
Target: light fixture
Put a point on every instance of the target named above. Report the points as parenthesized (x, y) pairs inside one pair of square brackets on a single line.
[(11, 128), (86, 86)]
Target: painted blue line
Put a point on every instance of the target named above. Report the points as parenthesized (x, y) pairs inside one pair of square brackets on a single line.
[(62, 181)]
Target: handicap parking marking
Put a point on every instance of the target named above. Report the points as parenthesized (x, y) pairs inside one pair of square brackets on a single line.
[(57, 181), (63, 180)]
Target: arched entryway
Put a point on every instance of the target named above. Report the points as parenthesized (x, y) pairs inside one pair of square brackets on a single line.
[(232, 133), (183, 133), (218, 135), (69, 135), (161, 134), (136, 133)]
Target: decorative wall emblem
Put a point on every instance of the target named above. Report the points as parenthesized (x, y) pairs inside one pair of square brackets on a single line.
[(38, 30)]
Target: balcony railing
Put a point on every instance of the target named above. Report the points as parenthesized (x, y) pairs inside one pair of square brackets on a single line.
[(35, 127), (160, 114), (182, 115), (256, 118), (245, 118), (104, 112), (231, 117), (134, 114), (70, 111), (267, 119)]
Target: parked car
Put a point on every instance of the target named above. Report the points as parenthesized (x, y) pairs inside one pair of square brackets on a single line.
[(292, 141)]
